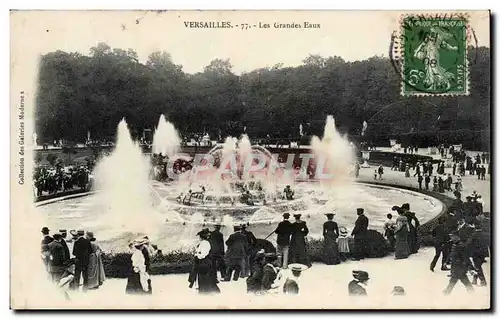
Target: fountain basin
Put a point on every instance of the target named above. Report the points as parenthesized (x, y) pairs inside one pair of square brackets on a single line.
[(174, 233)]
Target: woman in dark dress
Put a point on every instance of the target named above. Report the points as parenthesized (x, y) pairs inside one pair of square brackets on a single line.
[(331, 254), (298, 252), (401, 231)]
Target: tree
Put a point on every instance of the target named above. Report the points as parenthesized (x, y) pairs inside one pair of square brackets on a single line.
[(219, 67)]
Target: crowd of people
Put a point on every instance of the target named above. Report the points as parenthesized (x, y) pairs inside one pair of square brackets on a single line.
[(55, 179), (71, 261)]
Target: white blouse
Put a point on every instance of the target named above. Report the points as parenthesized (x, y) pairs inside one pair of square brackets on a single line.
[(203, 249)]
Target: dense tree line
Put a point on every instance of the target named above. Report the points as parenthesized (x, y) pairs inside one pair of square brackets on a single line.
[(79, 93)]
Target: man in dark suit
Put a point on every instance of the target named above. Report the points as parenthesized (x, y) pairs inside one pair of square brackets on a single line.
[(237, 249), (477, 249), (284, 231), (63, 242), (47, 239), (217, 251), (57, 258), (441, 245), (252, 242), (81, 250), (359, 233)]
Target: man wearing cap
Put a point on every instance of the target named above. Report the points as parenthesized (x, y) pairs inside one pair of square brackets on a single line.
[(237, 249), (217, 251), (81, 250), (359, 233), (47, 239), (57, 258), (284, 231), (298, 251), (355, 287), (440, 235)]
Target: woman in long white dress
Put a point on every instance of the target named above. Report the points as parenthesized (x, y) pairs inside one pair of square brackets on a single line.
[(138, 277)]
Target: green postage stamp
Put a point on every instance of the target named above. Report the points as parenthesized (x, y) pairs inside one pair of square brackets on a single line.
[(434, 55)]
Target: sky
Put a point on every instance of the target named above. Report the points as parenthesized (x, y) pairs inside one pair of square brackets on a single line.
[(352, 35)]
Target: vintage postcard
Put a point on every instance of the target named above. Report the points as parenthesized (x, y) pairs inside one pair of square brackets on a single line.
[(250, 160)]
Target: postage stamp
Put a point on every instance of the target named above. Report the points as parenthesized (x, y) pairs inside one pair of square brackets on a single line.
[(434, 54)]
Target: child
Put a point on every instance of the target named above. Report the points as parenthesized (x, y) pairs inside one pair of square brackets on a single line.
[(343, 243), (375, 174)]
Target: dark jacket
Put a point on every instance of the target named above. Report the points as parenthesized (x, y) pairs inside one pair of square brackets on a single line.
[(67, 256), (45, 242), (440, 234), (56, 251), (465, 232), (284, 231), (237, 246), (268, 277), (361, 226), (459, 261), (252, 241), (217, 243), (82, 250), (477, 245), (355, 289)]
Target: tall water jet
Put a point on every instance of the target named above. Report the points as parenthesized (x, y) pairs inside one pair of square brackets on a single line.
[(166, 140), (334, 156), (123, 178)]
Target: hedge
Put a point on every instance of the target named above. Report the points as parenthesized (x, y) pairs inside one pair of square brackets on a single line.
[(178, 262)]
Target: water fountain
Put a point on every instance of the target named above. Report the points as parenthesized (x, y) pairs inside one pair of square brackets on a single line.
[(166, 140), (129, 204), (123, 179)]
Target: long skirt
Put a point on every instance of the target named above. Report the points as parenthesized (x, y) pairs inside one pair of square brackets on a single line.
[(206, 281), (96, 271), (298, 252), (331, 254), (134, 285), (402, 247)]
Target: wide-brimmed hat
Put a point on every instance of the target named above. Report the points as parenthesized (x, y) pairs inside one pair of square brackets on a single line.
[(202, 232), (62, 231), (270, 256), (330, 214), (80, 232), (45, 230), (360, 275), (297, 267), (73, 233), (343, 230), (398, 291), (297, 215)]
